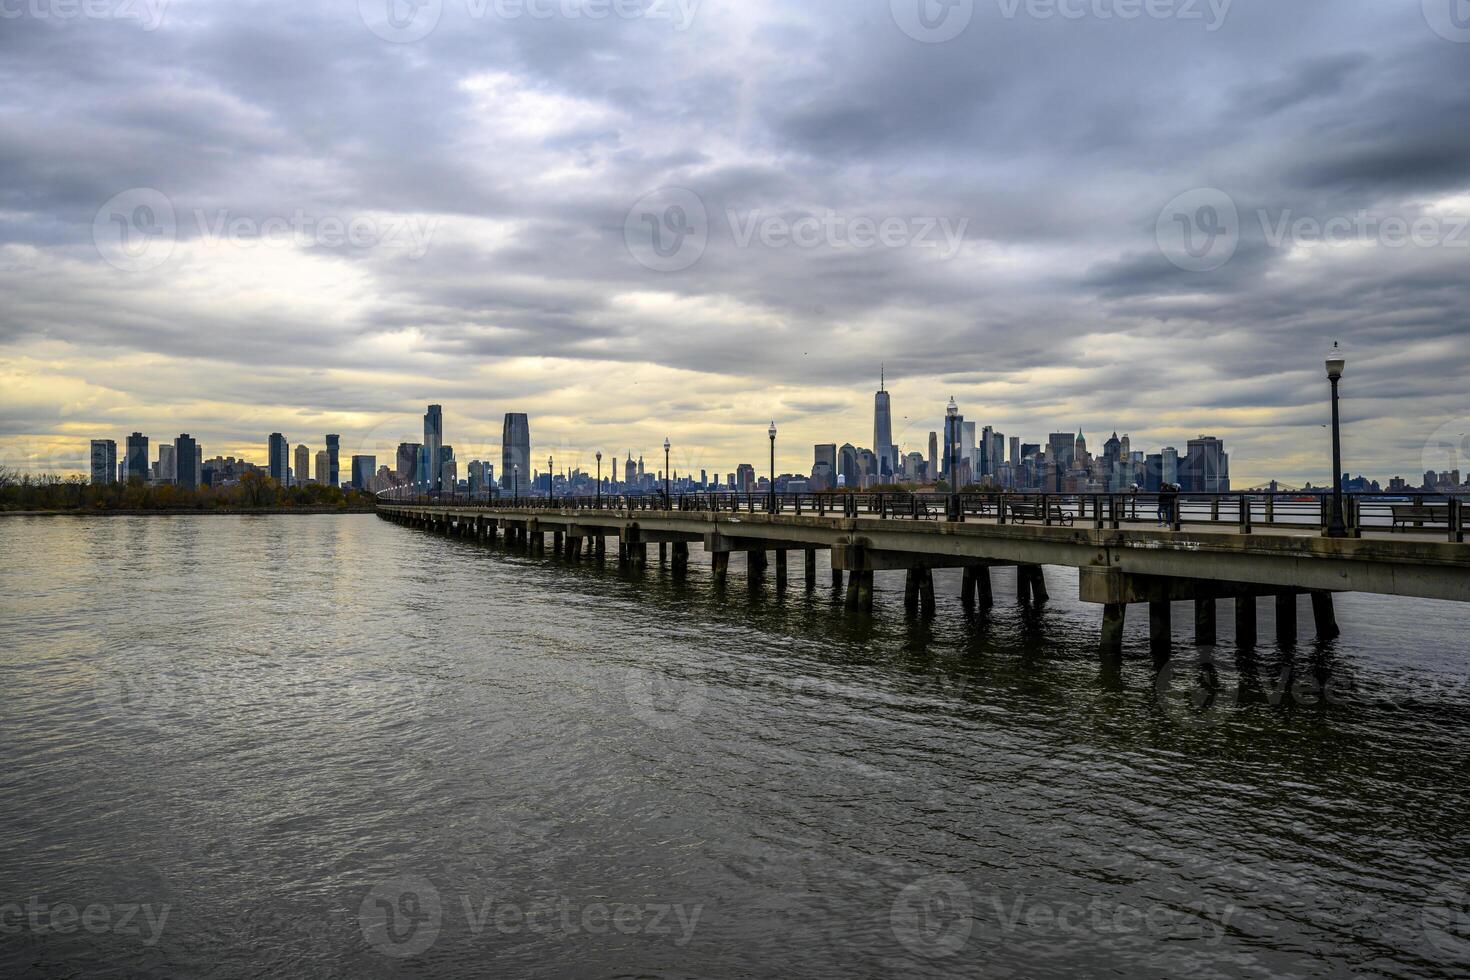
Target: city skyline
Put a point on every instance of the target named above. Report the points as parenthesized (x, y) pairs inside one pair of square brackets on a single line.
[(1057, 304)]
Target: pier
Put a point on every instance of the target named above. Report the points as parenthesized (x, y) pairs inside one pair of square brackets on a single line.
[(1239, 547)]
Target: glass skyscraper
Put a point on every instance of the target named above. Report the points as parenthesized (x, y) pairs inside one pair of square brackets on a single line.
[(433, 442), (515, 453)]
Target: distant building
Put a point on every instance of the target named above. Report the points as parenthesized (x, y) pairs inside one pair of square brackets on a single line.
[(433, 443), (745, 478), (187, 462), (363, 468), (137, 457), (408, 462), (334, 460), (933, 454), (883, 446), (303, 465), (104, 461), (825, 452), (164, 469), (278, 459), (954, 444), (1206, 466), (323, 467), (1169, 465), (515, 451)]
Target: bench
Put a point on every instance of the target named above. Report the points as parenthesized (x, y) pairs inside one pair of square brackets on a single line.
[(1418, 515), (1022, 511)]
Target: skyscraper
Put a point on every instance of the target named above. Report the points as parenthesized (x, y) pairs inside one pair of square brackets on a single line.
[(279, 458), (303, 465), (883, 430), (408, 461), (933, 455), (104, 461), (334, 467), (323, 467), (165, 470), (362, 471), (186, 461), (137, 459), (515, 452), (1170, 462), (1205, 467), (433, 442), (954, 437)]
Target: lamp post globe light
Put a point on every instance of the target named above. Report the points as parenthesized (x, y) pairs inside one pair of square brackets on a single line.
[(1336, 363), (772, 434), (599, 478), (668, 482)]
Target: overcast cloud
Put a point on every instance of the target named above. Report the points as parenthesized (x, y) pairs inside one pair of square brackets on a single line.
[(688, 218)]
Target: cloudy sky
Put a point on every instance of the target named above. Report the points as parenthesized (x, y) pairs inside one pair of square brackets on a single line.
[(691, 217)]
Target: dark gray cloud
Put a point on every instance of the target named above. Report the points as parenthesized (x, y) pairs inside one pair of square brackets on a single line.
[(1049, 148)]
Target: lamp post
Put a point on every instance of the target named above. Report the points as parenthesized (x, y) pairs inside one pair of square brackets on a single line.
[(668, 479), (1335, 364), (599, 479), (515, 483), (952, 455), (550, 481), (772, 434)]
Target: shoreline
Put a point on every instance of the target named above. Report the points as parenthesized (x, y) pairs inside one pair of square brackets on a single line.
[(182, 511)]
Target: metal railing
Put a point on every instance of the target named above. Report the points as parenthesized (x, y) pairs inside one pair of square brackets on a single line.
[(1364, 513)]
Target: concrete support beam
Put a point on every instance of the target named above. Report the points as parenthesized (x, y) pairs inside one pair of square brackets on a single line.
[(663, 552), (755, 562), (1204, 622), (1245, 622), (1030, 584), (860, 592), (1110, 648), (1324, 617), (1160, 630), (926, 590), (836, 577), (780, 568), (1286, 620), (911, 592), (810, 558), (720, 565), (681, 557)]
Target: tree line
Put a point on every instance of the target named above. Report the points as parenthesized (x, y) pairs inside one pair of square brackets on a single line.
[(254, 491)]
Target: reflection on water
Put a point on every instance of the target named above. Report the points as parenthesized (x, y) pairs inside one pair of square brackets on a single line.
[(336, 746)]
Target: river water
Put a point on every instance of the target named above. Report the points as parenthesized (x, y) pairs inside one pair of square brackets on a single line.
[(337, 747)]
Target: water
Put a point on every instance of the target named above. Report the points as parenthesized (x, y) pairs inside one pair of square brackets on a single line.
[(337, 747)]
